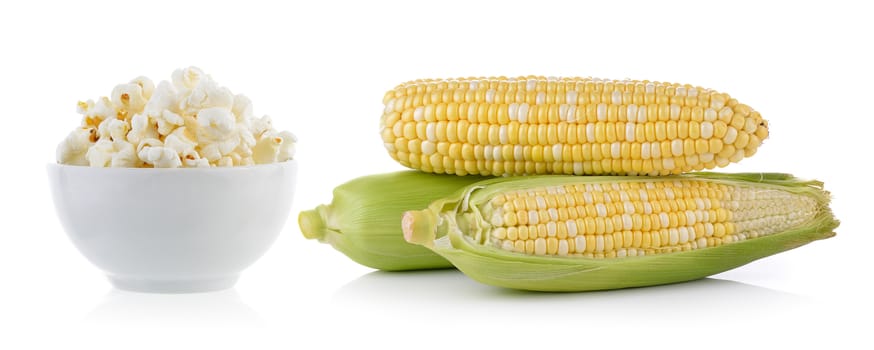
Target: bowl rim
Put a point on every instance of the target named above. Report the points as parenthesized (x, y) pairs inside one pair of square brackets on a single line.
[(287, 163)]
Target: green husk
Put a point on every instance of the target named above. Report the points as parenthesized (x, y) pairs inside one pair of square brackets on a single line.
[(363, 219), (440, 228)]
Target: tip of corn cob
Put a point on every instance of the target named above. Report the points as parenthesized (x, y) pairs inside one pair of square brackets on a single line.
[(418, 227)]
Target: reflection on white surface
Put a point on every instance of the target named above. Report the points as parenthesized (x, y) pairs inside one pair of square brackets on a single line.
[(448, 292), (195, 310)]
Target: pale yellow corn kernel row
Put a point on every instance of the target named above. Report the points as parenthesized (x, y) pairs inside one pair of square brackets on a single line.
[(538, 125), (638, 218)]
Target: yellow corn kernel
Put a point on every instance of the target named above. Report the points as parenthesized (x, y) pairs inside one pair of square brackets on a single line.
[(581, 126), (611, 218)]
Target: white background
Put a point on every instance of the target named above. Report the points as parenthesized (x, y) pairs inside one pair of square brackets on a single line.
[(321, 68)]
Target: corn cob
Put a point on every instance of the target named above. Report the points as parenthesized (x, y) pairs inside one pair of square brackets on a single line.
[(566, 233), (537, 125), (363, 218)]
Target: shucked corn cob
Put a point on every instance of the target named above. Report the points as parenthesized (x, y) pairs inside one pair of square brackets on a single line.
[(566, 233), (537, 125), (363, 219)]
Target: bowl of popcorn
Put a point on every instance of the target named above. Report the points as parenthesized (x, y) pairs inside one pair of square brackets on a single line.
[(173, 188)]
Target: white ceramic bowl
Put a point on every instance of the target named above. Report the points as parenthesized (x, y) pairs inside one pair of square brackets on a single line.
[(173, 230)]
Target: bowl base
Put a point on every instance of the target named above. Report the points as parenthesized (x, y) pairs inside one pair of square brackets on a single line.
[(173, 286)]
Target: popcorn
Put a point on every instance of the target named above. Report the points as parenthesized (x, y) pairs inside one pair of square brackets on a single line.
[(125, 156), (187, 78), (207, 94), (112, 129), (128, 97), (163, 98), (191, 159), (246, 161), (161, 108), (149, 143), (161, 157), (228, 146), (211, 152), (267, 149), (226, 162), (116, 154), (189, 121), (247, 139), (145, 84), (244, 149), (141, 128), (216, 123), (181, 141), (235, 158), (93, 113), (242, 109), (152, 151), (118, 130), (167, 121), (260, 125), (100, 154), (286, 148), (72, 150)]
